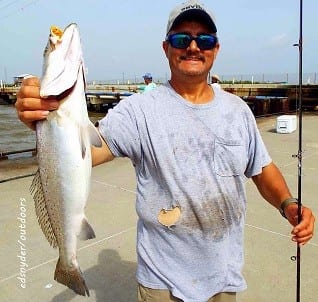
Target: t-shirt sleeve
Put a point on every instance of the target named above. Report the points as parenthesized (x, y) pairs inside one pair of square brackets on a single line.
[(120, 131), (258, 156)]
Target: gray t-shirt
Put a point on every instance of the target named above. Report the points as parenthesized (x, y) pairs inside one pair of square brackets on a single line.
[(193, 158)]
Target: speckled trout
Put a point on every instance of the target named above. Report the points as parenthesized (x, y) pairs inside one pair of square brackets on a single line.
[(62, 184)]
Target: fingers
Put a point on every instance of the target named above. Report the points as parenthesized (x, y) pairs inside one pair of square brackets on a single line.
[(304, 231), (31, 81), (29, 105), (30, 117)]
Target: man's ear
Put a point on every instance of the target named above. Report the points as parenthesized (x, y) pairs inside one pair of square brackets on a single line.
[(165, 45), (216, 50)]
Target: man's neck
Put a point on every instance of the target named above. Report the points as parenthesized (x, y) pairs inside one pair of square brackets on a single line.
[(196, 93)]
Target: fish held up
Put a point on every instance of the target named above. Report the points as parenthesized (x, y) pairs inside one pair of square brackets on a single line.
[(62, 183)]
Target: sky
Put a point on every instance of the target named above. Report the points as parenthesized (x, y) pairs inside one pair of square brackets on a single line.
[(122, 39)]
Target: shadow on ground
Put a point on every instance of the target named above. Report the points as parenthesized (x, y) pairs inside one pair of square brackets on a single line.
[(112, 279)]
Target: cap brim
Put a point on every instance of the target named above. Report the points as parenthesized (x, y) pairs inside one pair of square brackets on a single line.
[(195, 14)]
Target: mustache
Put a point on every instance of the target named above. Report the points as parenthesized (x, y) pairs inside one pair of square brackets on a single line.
[(192, 57)]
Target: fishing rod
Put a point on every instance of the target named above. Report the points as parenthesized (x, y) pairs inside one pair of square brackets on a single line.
[(300, 139)]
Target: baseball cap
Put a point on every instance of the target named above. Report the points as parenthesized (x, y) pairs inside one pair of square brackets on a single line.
[(147, 76), (215, 76), (191, 9)]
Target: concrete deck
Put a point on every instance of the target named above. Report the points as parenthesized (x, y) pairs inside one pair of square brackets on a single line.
[(109, 261)]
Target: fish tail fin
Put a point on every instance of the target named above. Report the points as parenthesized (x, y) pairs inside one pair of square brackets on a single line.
[(73, 279), (86, 231)]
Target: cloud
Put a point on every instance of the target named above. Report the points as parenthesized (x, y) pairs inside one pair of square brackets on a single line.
[(279, 41)]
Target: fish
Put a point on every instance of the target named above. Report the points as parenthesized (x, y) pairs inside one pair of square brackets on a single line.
[(61, 185)]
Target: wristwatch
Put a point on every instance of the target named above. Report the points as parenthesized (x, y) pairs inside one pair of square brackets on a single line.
[(285, 203)]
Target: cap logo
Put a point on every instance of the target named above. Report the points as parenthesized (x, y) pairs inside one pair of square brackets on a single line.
[(192, 6)]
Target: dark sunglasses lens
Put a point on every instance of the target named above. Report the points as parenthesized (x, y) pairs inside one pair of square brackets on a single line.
[(180, 41), (205, 42)]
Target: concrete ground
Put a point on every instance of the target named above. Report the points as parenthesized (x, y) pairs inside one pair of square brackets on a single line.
[(109, 261)]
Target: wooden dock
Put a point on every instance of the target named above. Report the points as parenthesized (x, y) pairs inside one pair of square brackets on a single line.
[(263, 99), (8, 95)]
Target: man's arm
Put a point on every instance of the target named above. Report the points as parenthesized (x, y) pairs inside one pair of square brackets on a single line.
[(272, 186), (101, 154)]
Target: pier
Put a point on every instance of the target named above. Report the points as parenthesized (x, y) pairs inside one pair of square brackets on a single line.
[(287, 94), (8, 95), (263, 99), (102, 101), (98, 97)]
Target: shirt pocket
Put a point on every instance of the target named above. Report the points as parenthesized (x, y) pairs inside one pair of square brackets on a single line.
[(229, 158)]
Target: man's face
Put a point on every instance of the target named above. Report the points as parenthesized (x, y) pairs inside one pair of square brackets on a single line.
[(191, 61)]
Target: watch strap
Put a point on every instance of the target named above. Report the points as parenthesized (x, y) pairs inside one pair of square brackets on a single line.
[(285, 203)]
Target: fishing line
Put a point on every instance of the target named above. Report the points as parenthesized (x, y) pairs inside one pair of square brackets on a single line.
[(16, 177), (16, 10), (7, 5)]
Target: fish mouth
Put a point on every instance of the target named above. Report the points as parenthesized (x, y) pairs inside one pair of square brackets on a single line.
[(56, 31), (62, 95), (65, 93)]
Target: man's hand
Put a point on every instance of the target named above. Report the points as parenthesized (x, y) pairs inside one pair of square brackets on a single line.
[(272, 186), (303, 231), (29, 105)]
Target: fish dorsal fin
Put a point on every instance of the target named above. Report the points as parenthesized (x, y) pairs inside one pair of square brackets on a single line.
[(42, 214)]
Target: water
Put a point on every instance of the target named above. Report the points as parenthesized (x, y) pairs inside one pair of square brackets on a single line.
[(16, 137)]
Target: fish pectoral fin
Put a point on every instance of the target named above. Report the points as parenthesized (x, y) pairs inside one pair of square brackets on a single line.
[(83, 139), (94, 136), (89, 133), (86, 231), (72, 278), (42, 214)]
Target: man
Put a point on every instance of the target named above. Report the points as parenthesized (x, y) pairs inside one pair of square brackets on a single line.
[(215, 81), (148, 81), (215, 78), (192, 147)]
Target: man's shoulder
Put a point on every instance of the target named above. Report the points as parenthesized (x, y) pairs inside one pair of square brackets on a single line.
[(231, 102), (230, 97), (138, 99)]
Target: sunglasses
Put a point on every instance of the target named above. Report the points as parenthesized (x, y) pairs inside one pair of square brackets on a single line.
[(183, 41)]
